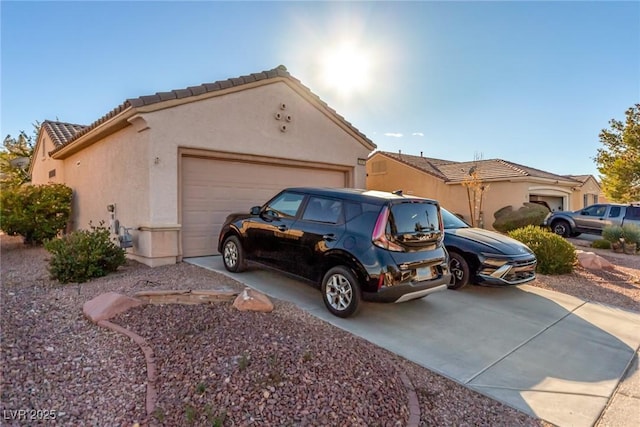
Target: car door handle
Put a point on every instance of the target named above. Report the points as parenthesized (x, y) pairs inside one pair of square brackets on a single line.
[(282, 227), (329, 237)]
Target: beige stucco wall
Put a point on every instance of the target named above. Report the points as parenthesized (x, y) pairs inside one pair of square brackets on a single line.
[(43, 164), (138, 167), (592, 190)]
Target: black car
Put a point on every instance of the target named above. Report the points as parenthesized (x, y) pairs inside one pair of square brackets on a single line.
[(485, 257), (353, 244)]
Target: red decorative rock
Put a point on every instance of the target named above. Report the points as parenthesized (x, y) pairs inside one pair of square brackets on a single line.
[(591, 261), (252, 300), (106, 306)]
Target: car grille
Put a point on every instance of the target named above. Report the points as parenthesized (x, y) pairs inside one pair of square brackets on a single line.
[(511, 273)]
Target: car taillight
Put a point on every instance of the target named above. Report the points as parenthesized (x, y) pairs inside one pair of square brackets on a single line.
[(379, 236)]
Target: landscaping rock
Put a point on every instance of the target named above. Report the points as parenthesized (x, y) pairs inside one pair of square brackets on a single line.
[(252, 300), (591, 261), (106, 306)]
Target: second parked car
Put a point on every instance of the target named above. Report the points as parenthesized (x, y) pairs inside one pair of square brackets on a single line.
[(485, 257), (354, 244)]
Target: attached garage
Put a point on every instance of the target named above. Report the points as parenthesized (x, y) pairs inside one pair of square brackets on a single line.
[(173, 165), (212, 188)]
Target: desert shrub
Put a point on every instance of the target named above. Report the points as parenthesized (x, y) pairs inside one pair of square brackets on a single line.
[(631, 233), (529, 214), (612, 233), (84, 255), (35, 212), (555, 255), (601, 244)]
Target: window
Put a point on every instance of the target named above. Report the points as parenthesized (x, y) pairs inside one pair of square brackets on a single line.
[(52, 173), (633, 212), (595, 198), (595, 210), (409, 218), (44, 153), (614, 212), (585, 200), (285, 205), (323, 210)]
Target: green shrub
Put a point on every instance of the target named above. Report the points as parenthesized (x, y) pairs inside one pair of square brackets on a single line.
[(601, 244), (555, 255), (35, 212), (631, 233), (612, 233), (83, 255), (530, 214)]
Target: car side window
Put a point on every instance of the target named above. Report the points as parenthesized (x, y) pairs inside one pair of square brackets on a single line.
[(285, 205), (325, 210), (595, 210), (633, 213), (614, 212)]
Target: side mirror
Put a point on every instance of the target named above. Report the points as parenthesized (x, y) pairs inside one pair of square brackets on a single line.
[(255, 210)]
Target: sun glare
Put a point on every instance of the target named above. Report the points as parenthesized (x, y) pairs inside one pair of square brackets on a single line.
[(347, 68)]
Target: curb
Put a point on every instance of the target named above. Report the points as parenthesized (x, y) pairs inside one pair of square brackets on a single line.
[(152, 395), (414, 403)]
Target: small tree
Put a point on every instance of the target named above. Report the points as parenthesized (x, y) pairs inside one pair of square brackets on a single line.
[(12, 173), (619, 160), (475, 192), (35, 212)]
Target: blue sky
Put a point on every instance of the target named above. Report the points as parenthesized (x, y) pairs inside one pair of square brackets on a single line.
[(528, 82)]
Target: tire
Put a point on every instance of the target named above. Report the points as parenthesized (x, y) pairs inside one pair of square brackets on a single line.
[(460, 272), (561, 228), (233, 255), (341, 292)]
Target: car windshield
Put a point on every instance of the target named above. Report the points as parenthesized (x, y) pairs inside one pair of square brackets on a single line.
[(451, 221)]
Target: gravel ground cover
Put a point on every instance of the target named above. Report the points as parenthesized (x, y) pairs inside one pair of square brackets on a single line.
[(218, 366)]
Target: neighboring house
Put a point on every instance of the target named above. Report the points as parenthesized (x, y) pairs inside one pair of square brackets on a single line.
[(507, 183), (173, 165)]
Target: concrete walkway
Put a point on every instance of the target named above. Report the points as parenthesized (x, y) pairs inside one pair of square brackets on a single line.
[(548, 354)]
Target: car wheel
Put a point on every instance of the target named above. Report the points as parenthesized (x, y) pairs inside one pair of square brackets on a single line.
[(341, 292), (459, 268), (233, 255), (561, 228)]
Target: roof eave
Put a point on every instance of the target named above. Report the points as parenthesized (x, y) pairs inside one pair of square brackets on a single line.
[(114, 124)]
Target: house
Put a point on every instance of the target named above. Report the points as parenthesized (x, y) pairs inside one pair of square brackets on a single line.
[(169, 167), (505, 184)]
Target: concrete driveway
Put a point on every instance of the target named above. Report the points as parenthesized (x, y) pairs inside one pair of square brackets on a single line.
[(547, 354)]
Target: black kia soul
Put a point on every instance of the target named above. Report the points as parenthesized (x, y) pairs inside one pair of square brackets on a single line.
[(354, 244)]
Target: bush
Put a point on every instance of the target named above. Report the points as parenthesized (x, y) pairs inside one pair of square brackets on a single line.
[(612, 233), (601, 244), (631, 233), (555, 255), (530, 214), (84, 255), (35, 212)]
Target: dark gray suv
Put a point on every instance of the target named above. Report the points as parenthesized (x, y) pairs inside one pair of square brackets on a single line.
[(353, 244)]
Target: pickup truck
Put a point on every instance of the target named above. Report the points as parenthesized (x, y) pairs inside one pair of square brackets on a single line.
[(592, 219)]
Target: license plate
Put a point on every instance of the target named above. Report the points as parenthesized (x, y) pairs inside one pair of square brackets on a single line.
[(424, 273)]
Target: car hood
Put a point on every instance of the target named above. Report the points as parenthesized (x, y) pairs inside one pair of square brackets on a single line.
[(488, 241)]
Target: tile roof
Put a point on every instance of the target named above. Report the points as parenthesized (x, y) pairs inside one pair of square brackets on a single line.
[(279, 71), (581, 178), (425, 164), (60, 132), (493, 169)]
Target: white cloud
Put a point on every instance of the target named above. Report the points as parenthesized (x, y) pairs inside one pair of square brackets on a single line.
[(417, 134), (394, 135)]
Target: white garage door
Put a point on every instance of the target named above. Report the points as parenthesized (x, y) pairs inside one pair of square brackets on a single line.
[(212, 189)]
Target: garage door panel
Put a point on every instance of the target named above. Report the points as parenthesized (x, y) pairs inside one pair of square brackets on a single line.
[(212, 189)]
